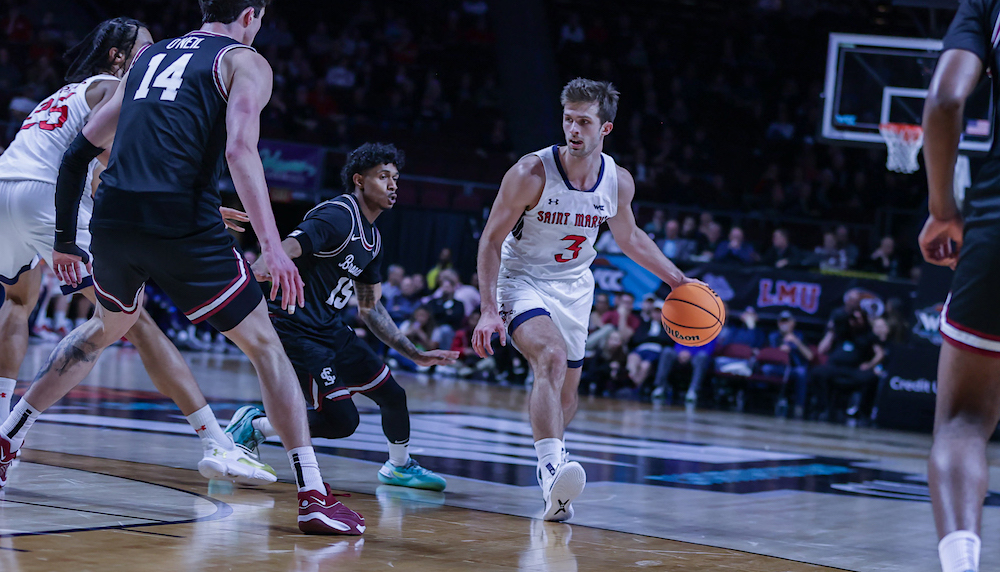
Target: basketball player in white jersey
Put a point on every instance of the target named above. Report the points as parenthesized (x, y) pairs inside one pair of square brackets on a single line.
[(28, 171), (534, 270)]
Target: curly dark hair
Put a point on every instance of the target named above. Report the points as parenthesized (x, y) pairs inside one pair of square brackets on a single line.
[(90, 56), (367, 156), (226, 11)]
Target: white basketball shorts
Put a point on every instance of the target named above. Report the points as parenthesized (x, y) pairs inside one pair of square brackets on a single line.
[(567, 302), (28, 226)]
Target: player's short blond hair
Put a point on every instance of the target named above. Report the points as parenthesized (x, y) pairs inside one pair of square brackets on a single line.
[(603, 93)]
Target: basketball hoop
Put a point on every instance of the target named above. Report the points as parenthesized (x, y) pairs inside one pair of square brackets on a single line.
[(903, 142)]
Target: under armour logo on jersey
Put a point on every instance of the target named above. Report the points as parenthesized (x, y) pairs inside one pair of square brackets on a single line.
[(328, 375), (552, 470), (553, 201), (599, 207)]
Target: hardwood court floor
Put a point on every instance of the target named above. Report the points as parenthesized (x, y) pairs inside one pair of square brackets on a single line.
[(257, 532), (667, 488)]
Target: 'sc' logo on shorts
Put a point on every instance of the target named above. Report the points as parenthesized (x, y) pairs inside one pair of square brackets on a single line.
[(327, 374)]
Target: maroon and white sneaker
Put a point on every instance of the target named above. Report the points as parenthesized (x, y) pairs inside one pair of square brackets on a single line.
[(323, 514), (6, 460)]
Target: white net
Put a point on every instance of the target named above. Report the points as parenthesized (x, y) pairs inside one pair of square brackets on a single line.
[(903, 142)]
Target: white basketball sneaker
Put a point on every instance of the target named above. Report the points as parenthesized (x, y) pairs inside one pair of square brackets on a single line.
[(234, 464), (560, 485)]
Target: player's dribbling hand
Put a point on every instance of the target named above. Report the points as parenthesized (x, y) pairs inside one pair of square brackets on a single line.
[(285, 279), (232, 218), (489, 324), (435, 357), (941, 240), (66, 260), (687, 280)]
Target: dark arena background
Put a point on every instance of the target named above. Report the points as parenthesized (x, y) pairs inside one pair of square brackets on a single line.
[(751, 129)]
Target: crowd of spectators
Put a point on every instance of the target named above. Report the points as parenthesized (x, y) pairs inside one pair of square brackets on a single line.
[(398, 71), (830, 376), (694, 240)]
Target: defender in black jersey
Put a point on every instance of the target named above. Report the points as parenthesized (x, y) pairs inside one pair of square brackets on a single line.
[(185, 104), (967, 240), (338, 251)]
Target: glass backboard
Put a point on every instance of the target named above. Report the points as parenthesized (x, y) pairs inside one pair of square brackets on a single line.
[(884, 79)]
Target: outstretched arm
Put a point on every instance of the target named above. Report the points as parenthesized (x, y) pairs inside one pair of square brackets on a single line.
[(520, 190), (634, 242), (957, 73), (375, 316)]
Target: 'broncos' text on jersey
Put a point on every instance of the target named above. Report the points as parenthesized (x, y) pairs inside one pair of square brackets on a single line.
[(339, 246)]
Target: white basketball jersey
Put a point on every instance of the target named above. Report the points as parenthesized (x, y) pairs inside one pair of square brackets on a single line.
[(37, 150), (554, 240)]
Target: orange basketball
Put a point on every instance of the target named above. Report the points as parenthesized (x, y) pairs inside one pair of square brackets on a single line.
[(693, 314)]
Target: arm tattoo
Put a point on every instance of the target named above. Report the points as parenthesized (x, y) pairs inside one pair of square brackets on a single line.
[(379, 322), (366, 296)]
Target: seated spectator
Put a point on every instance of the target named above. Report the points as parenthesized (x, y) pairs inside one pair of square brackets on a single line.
[(711, 241), (444, 261), (844, 243), (655, 228), (622, 318), (393, 280), (689, 232), (449, 313), (598, 331), (735, 250), (464, 293), (782, 253), (828, 256), (852, 352), (673, 246), (788, 340), (607, 371), (647, 342), (744, 330), (420, 330), (699, 359), (884, 259), (402, 306)]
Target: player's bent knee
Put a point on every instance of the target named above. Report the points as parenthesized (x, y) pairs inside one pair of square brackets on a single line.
[(334, 422)]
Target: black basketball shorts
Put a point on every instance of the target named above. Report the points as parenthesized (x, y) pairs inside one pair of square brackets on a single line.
[(970, 319), (331, 365), (204, 274)]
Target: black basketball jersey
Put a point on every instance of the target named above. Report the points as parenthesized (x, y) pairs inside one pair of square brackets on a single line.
[(976, 28), (339, 246), (170, 144)]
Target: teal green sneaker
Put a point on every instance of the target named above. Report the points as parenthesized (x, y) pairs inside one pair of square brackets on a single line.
[(242, 431), (410, 475)]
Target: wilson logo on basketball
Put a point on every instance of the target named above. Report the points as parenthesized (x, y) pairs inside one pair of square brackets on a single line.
[(679, 336)]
